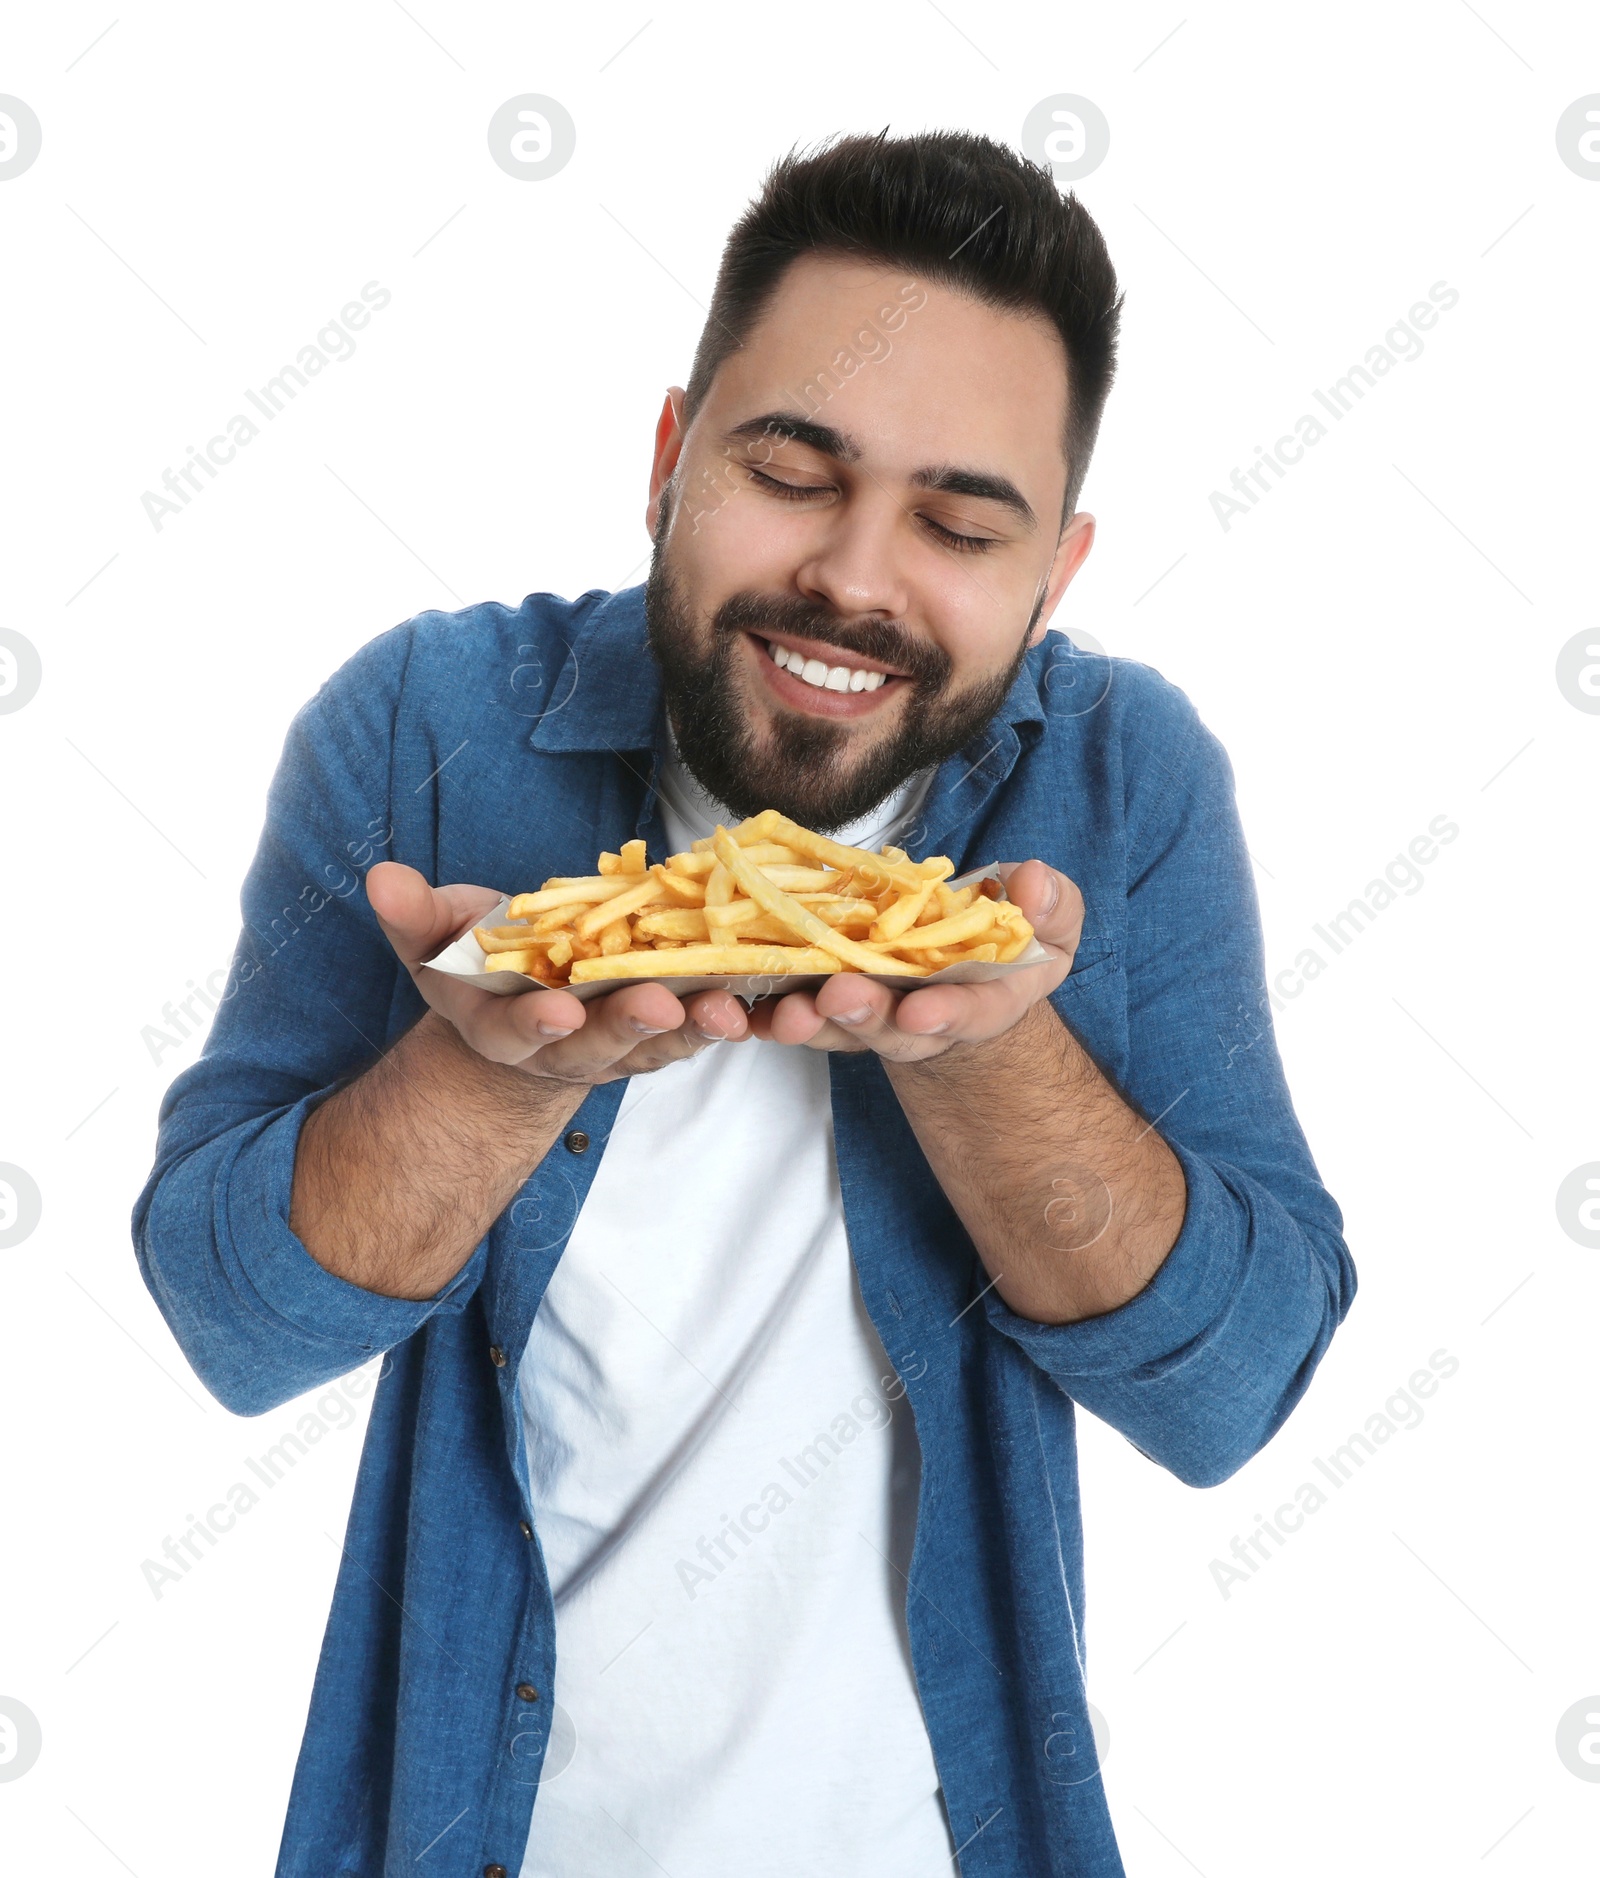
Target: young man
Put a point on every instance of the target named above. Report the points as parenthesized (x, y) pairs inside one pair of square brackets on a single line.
[(718, 1511)]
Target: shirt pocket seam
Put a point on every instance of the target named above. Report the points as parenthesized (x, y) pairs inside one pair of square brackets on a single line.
[(1097, 966)]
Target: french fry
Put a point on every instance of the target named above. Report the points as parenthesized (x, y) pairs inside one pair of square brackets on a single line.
[(873, 867), (765, 897), (800, 879), (682, 888), (962, 955), (948, 932), (736, 916), (753, 829), (763, 930), (640, 893), (675, 923), (719, 884), (1018, 934), (697, 863), (698, 961), (559, 917), (770, 930), (904, 913), (507, 938), (837, 912), (510, 962), (723, 916), (800, 920), (597, 888)]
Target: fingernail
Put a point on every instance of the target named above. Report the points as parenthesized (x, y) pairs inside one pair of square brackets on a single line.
[(851, 1017), (937, 1031), (1054, 893), (553, 1030), (645, 1030)]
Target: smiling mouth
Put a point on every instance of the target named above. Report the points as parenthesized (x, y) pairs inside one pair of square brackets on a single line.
[(823, 674)]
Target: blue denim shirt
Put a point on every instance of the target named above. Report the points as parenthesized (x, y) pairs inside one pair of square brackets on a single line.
[(501, 745)]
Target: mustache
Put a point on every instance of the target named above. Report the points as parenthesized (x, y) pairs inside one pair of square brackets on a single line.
[(880, 640)]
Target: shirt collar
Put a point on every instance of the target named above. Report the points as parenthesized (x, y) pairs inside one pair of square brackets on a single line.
[(607, 695)]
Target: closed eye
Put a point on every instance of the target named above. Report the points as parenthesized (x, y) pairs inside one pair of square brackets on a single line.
[(967, 544), (798, 492)]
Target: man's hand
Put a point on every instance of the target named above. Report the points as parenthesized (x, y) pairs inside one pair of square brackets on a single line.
[(400, 1173), (1071, 1198), (849, 1012), (548, 1034)]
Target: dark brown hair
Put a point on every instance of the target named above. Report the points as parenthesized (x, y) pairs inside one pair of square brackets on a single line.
[(962, 210)]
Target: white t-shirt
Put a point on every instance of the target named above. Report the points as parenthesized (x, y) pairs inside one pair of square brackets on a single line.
[(725, 1477)]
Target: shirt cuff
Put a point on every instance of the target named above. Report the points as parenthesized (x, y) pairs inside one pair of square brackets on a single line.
[(1179, 1305), (283, 1275)]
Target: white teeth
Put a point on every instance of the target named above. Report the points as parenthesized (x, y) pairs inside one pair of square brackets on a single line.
[(824, 677)]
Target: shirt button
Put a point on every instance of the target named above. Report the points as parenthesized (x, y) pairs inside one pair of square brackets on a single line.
[(497, 1356), (526, 1692), (576, 1142), (527, 1530), (494, 1871)]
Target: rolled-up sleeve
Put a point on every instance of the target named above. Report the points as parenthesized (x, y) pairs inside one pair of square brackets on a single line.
[(309, 1000), (1202, 1367)]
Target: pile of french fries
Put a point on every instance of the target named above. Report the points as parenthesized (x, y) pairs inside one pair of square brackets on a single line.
[(768, 898)]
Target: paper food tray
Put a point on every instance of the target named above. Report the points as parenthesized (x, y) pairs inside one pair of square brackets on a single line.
[(464, 959)]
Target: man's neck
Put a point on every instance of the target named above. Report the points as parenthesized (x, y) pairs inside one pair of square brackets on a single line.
[(693, 806)]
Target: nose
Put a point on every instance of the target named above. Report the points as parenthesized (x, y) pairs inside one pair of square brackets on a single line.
[(854, 561)]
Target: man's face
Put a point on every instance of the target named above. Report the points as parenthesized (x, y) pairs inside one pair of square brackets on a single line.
[(872, 488)]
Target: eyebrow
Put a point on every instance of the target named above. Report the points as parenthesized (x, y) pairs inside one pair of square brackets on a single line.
[(943, 478)]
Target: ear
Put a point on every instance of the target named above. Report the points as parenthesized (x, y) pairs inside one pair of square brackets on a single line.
[(1077, 538), (668, 447)]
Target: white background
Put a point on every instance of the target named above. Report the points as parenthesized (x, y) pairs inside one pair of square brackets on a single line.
[(1375, 642)]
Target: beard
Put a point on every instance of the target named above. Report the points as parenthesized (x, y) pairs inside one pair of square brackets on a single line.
[(803, 766)]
